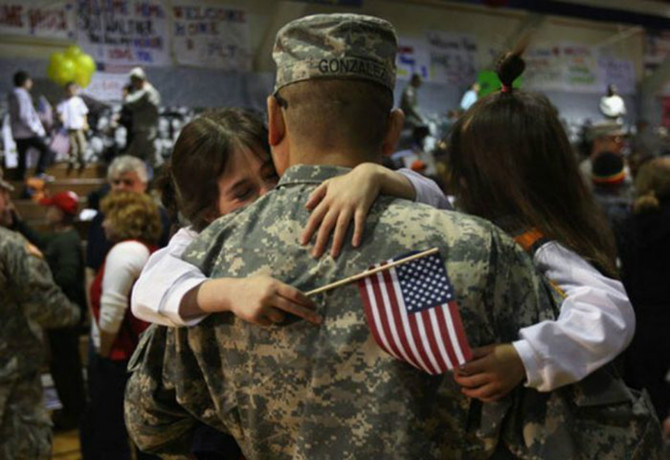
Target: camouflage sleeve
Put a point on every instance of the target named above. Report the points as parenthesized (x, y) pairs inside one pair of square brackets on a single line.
[(42, 299), (204, 251), (156, 421)]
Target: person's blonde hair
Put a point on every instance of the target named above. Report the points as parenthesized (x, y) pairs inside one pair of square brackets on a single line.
[(652, 185), (134, 216)]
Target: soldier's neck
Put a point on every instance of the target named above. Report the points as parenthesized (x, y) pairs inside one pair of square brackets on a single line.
[(348, 158)]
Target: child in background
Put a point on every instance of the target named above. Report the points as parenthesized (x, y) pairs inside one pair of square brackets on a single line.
[(72, 113)]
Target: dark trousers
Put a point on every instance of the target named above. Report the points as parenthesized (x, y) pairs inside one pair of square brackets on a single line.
[(103, 433), (22, 149), (209, 444), (66, 370)]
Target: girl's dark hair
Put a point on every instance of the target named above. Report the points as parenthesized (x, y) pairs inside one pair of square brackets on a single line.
[(20, 78), (510, 158), (200, 157)]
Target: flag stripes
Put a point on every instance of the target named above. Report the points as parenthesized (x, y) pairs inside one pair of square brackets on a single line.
[(429, 337)]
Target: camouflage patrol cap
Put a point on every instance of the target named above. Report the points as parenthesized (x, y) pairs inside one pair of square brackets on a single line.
[(336, 46)]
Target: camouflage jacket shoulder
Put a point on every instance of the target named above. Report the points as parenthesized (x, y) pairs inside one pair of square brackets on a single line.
[(29, 300)]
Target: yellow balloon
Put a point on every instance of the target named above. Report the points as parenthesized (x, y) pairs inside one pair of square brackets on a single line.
[(83, 79), (72, 52), (85, 62), (56, 59), (65, 72)]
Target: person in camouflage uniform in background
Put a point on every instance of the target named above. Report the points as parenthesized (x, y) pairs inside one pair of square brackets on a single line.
[(29, 301), (296, 390)]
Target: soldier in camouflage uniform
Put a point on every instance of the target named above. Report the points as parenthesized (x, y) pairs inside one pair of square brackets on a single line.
[(297, 390), (29, 301)]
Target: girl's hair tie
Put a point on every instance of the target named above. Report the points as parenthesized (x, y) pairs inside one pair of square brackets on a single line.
[(506, 88)]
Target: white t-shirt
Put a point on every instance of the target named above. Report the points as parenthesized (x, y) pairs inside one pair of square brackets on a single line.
[(73, 112)]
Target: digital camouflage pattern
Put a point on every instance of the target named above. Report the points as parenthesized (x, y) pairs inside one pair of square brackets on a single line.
[(336, 46), (29, 301), (302, 391)]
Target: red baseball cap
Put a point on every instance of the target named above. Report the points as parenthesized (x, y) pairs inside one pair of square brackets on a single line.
[(68, 202), (418, 166)]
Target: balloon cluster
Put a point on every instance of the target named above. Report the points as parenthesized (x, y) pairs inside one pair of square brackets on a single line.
[(71, 65)]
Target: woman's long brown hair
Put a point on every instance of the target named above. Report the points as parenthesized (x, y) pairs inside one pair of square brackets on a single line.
[(510, 158), (200, 156)]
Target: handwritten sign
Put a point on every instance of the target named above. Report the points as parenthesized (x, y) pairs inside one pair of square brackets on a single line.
[(106, 86), (47, 19), (580, 68), (619, 72), (452, 58), (212, 36), (543, 68), (412, 58), (124, 32)]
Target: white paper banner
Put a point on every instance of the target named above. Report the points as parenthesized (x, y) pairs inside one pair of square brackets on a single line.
[(55, 19), (107, 87), (543, 69), (211, 36), (412, 58), (452, 57), (124, 32), (619, 72), (580, 70)]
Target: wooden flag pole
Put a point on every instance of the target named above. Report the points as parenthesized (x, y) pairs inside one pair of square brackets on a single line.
[(367, 273)]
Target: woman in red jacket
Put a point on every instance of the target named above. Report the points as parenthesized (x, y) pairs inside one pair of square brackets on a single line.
[(132, 222)]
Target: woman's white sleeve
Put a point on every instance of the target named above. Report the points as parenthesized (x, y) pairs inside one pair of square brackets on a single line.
[(595, 324), (427, 191), (123, 265), (164, 281)]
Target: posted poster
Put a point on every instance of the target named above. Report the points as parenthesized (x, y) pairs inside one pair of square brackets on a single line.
[(619, 72), (124, 32), (580, 68), (412, 58), (54, 19), (543, 69), (212, 36), (452, 58), (106, 86)]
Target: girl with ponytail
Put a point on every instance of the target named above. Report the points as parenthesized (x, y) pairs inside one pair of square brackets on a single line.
[(511, 163)]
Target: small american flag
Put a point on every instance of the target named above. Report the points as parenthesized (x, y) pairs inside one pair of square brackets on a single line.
[(413, 315)]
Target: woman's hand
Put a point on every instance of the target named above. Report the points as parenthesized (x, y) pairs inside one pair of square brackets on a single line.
[(106, 341), (337, 201), (495, 371), (258, 300)]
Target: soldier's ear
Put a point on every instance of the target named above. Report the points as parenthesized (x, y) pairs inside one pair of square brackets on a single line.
[(393, 129), (276, 124)]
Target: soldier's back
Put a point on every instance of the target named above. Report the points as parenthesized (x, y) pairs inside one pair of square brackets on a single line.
[(302, 391)]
